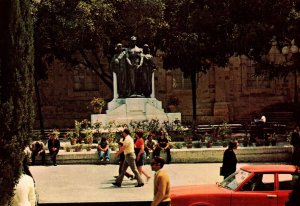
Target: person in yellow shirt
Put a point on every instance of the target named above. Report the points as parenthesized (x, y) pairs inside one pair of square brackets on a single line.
[(161, 183)]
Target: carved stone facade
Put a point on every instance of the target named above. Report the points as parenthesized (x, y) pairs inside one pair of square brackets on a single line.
[(226, 94)]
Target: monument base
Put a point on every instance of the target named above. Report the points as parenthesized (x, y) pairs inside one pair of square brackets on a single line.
[(125, 110)]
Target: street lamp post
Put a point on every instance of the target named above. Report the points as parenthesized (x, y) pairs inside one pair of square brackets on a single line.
[(290, 52)]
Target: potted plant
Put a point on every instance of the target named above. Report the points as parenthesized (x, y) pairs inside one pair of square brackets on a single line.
[(113, 146), (273, 139), (189, 142), (245, 141), (72, 136), (197, 144), (88, 136), (97, 104), (208, 140), (67, 147), (89, 147), (56, 133), (77, 147)]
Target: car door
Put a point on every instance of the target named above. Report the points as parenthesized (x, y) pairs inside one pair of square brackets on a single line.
[(285, 186), (258, 190)]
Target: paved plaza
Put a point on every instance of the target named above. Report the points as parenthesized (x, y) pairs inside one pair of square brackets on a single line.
[(93, 183)]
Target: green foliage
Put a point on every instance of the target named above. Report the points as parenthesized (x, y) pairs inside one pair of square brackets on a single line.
[(16, 90), (98, 102), (197, 144), (85, 32), (146, 125), (177, 145)]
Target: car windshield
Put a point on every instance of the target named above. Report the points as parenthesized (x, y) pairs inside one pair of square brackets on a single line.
[(235, 179)]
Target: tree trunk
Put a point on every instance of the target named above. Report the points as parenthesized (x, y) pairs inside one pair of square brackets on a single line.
[(194, 95), (296, 87), (39, 107), (16, 90)]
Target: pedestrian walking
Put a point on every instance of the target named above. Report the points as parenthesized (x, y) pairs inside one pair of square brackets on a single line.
[(121, 162), (229, 160), (161, 183), (140, 153), (295, 141), (130, 157)]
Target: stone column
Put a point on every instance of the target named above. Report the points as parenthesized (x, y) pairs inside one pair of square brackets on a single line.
[(153, 87), (115, 86)]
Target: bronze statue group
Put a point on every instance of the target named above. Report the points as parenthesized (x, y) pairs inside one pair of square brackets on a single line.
[(134, 67)]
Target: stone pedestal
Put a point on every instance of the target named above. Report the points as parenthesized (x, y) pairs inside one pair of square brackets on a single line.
[(125, 110)]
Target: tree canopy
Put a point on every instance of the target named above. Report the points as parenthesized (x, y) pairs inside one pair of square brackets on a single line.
[(86, 32), (192, 34), (16, 90)]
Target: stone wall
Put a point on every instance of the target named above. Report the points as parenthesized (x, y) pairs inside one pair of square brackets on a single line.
[(228, 94), (202, 155)]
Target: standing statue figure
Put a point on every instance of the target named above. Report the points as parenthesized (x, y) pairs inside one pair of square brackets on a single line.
[(148, 68), (134, 60), (118, 66)]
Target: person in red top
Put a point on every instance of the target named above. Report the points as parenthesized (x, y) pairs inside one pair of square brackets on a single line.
[(139, 152)]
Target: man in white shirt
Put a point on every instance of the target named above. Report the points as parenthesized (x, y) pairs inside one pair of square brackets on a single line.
[(128, 149), (263, 118)]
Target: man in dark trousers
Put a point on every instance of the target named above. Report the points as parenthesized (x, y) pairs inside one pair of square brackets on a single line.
[(53, 146), (229, 160)]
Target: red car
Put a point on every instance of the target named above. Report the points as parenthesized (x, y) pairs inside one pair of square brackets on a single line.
[(252, 185)]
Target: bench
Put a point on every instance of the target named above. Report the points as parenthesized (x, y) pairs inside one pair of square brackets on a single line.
[(280, 117)]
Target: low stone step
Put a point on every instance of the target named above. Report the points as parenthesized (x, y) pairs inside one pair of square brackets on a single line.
[(193, 155)]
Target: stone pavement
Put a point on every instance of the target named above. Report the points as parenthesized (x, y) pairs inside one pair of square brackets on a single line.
[(93, 183)]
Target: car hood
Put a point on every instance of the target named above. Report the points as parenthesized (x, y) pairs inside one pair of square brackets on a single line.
[(204, 189)]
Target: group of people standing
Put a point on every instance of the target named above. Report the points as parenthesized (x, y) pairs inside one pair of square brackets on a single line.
[(133, 67), (132, 155)]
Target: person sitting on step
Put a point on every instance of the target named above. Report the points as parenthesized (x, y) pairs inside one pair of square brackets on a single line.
[(103, 150)]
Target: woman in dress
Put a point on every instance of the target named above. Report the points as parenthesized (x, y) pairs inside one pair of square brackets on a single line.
[(140, 153)]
